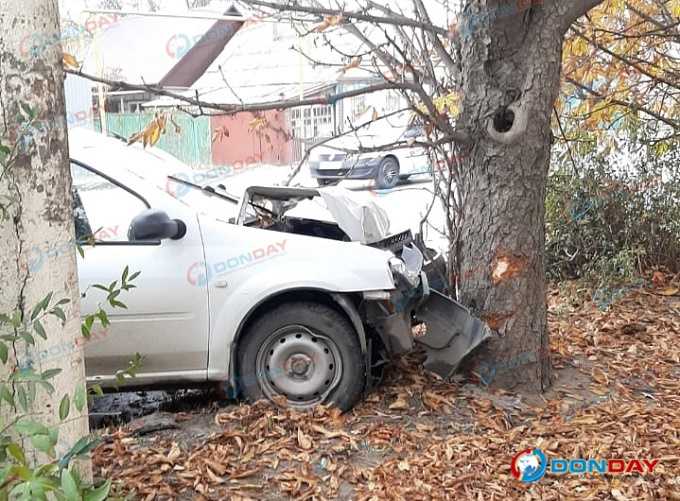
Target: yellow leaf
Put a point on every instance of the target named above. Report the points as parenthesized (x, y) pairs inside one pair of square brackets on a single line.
[(155, 135), (354, 63), (675, 8), (670, 291), (70, 61)]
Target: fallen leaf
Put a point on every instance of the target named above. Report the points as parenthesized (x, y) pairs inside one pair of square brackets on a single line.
[(303, 440)]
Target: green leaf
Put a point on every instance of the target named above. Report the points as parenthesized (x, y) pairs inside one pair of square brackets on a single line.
[(50, 373), (80, 448), (29, 427), (58, 312), (134, 275), (103, 318), (39, 329), (6, 395), (27, 338), (28, 110), (80, 397), (97, 390), (125, 275), (69, 486), (84, 331), (63, 301), (64, 407), (47, 386), (21, 398), (101, 287), (44, 443), (17, 453), (3, 352), (80, 250), (99, 493)]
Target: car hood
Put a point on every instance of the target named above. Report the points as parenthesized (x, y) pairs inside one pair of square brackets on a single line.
[(363, 221)]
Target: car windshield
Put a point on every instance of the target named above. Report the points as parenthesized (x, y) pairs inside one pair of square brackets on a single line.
[(413, 132)]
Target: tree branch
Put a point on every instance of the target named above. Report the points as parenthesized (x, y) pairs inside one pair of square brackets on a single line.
[(230, 109), (570, 10), (358, 16), (632, 106)]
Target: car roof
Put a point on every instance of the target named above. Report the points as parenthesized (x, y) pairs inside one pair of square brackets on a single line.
[(111, 156)]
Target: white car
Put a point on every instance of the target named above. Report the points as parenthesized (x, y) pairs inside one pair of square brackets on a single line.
[(282, 292), (331, 162)]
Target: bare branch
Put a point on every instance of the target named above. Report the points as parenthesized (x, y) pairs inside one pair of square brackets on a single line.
[(358, 16), (230, 109)]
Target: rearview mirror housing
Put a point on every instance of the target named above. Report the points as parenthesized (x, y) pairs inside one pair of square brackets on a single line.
[(154, 224)]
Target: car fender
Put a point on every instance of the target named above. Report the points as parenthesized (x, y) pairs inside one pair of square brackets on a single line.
[(303, 263)]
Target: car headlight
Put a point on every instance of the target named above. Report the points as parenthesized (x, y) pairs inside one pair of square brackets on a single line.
[(398, 267)]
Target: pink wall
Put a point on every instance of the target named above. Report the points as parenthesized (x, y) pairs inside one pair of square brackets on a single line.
[(269, 144)]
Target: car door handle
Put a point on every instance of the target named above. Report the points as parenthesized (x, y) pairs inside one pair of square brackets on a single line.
[(222, 284)]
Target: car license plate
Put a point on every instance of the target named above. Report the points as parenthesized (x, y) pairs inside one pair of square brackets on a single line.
[(330, 165)]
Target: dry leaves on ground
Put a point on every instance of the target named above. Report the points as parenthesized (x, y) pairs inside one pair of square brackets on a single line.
[(416, 437)]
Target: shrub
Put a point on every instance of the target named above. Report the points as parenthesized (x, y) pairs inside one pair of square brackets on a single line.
[(618, 216)]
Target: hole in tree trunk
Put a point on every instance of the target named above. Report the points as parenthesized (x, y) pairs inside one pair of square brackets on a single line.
[(503, 120)]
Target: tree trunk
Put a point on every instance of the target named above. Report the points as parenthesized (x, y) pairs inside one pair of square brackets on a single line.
[(511, 56), (37, 255)]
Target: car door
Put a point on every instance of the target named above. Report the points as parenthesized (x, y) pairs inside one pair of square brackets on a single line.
[(166, 319), (414, 159)]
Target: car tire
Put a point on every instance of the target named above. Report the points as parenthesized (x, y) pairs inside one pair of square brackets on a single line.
[(388, 173), (302, 354)]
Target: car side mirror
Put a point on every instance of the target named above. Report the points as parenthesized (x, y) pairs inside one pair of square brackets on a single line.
[(154, 224)]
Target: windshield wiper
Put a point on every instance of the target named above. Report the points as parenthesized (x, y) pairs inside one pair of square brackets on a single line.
[(207, 189)]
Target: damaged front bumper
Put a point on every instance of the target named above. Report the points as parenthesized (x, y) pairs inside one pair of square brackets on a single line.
[(451, 331)]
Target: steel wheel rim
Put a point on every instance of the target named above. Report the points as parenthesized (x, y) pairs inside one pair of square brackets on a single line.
[(390, 172), (298, 364)]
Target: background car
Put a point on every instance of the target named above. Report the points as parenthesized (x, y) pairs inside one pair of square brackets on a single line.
[(334, 161)]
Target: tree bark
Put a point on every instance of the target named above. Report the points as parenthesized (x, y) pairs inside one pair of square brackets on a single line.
[(511, 56), (37, 255)]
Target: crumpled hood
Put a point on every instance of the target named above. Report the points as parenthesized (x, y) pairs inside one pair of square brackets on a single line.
[(363, 220)]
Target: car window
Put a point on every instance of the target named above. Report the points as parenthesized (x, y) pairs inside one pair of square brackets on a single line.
[(413, 132), (102, 208)]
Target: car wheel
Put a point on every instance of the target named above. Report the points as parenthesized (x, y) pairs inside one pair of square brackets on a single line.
[(304, 354), (388, 173)]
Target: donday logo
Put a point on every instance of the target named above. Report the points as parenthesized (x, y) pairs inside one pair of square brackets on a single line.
[(529, 465)]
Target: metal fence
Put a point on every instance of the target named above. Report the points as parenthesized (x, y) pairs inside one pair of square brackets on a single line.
[(192, 144)]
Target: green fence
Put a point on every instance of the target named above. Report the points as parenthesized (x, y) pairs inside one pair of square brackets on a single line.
[(192, 145)]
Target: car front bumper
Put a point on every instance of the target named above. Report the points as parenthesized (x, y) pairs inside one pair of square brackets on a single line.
[(451, 331), (368, 172)]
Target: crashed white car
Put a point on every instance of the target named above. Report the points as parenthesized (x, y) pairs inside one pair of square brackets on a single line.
[(282, 292)]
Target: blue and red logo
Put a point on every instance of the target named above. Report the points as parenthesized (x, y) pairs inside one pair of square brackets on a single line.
[(531, 465)]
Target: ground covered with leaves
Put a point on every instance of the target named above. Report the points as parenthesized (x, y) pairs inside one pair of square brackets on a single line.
[(616, 395)]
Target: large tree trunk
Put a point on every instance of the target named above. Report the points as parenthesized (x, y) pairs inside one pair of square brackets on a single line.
[(37, 255), (511, 56)]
